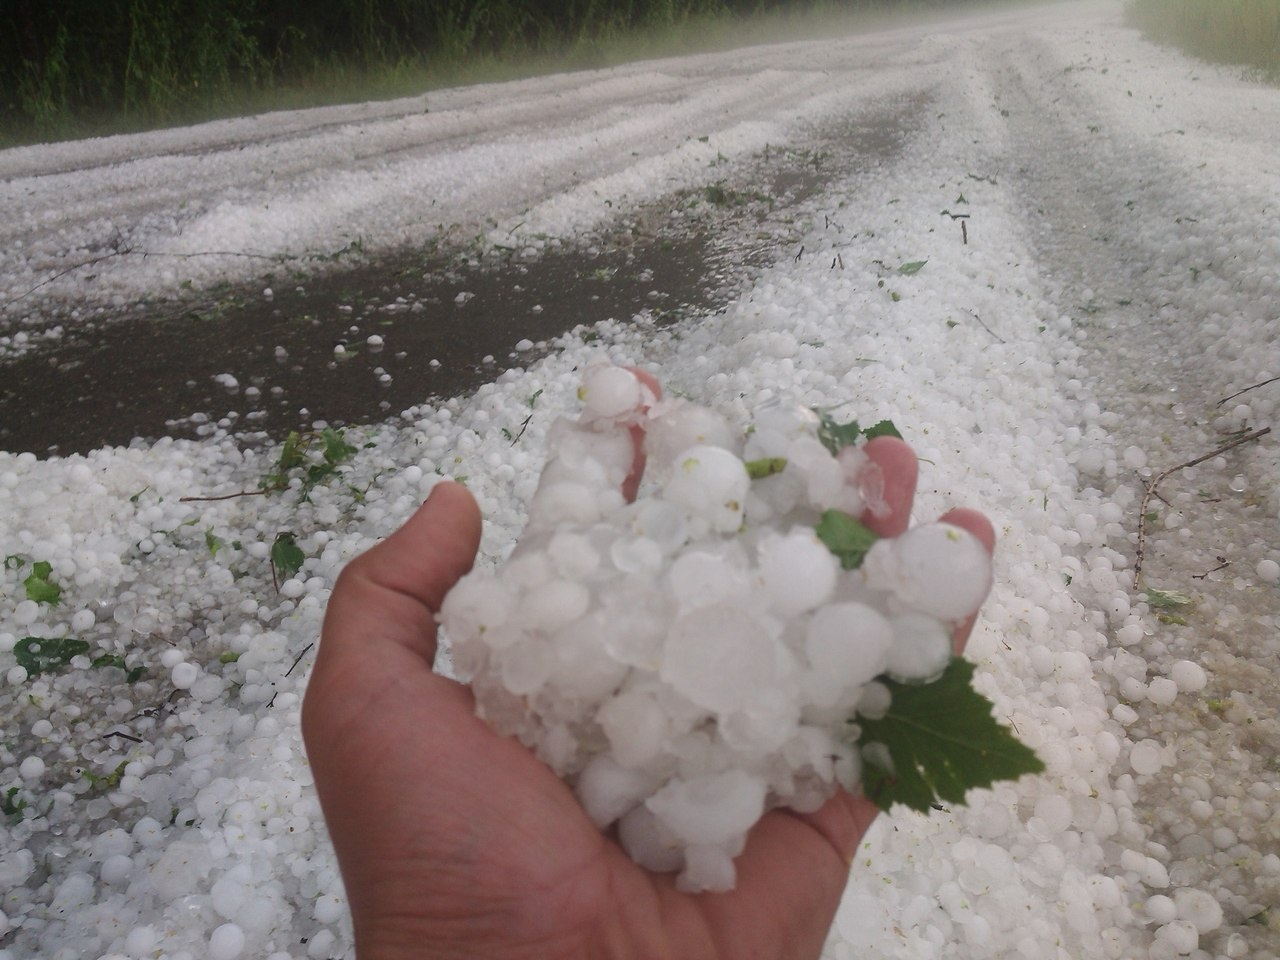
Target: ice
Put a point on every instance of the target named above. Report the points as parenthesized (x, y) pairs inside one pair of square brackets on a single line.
[(648, 843), (712, 810), (848, 645), (609, 393), (935, 568), (798, 571), (1199, 908), (719, 657), (711, 483), (226, 943)]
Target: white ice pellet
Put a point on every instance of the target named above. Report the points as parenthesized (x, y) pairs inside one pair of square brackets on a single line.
[(1145, 757), (226, 942), (31, 768), (1161, 909), (936, 569), (1189, 676), (184, 675), (1199, 908), (1268, 571), (1162, 691)]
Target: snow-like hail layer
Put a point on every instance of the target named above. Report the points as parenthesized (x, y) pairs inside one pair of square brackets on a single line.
[(174, 816)]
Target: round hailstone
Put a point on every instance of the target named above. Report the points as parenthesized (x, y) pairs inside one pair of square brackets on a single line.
[(720, 657), (798, 571), (710, 810), (848, 644), (608, 392), (677, 425), (1189, 676), (608, 790), (1268, 571), (1199, 908), (1144, 757), (226, 942), (921, 648), (936, 568), (184, 675), (711, 483)]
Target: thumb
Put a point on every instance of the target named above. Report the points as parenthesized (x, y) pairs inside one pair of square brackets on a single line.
[(391, 593)]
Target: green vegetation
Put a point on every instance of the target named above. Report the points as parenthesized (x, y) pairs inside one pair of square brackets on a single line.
[(1246, 32), (941, 741), (81, 67)]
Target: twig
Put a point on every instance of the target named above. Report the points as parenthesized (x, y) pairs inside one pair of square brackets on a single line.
[(62, 273), (1223, 563), (121, 733), (1151, 490), (964, 233), (298, 658), (231, 496), (986, 328), (1246, 390)]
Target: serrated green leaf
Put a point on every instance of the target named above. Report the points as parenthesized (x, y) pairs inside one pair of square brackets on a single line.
[(845, 537), (38, 586), (765, 467), (213, 542), (836, 436), (286, 556), (914, 267), (336, 448), (41, 654), (943, 741), (1166, 599), (884, 428)]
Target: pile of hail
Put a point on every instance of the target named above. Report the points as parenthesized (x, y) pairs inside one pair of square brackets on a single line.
[(732, 641)]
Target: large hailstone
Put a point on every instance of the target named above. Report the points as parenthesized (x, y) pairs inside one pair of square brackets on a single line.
[(691, 660)]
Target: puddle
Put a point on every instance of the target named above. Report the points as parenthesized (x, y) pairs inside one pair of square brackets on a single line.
[(441, 322)]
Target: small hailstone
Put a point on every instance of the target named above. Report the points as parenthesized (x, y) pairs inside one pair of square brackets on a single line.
[(31, 768), (1144, 757), (184, 674), (711, 483), (937, 569), (1189, 676), (1268, 571), (1199, 908), (226, 942), (608, 392)]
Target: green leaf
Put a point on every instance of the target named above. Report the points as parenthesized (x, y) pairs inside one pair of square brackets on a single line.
[(845, 537), (942, 741), (914, 267), (38, 586), (39, 654), (286, 555), (836, 436), (1166, 599), (213, 542), (336, 448), (884, 428), (14, 562), (765, 467)]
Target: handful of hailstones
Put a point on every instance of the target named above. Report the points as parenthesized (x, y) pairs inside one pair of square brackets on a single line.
[(722, 645)]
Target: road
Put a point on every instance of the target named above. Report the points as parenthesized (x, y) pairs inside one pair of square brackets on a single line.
[(1091, 301)]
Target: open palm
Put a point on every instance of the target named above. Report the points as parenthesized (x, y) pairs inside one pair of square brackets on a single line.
[(457, 842)]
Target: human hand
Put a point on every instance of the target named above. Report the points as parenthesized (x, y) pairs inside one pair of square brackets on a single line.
[(457, 842)]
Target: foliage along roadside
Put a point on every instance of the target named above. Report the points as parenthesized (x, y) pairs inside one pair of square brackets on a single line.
[(73, 68)]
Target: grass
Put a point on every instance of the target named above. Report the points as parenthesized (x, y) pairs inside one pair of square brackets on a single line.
[(1244, 32), (216, 61)]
